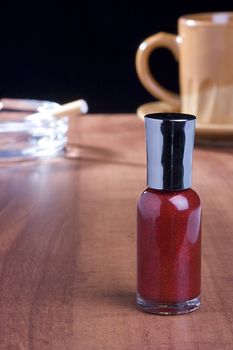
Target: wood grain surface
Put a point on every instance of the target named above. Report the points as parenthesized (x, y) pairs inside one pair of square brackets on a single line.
[(67, 247)]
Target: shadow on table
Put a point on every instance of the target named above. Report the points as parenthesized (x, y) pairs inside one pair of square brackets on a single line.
[(85, 155), (97, 155), (124, 299), (118, 299)]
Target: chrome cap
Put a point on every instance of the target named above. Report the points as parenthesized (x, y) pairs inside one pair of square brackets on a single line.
[(169, 146)]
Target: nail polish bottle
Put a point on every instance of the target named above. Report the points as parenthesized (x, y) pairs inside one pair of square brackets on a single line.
[(169, 219)]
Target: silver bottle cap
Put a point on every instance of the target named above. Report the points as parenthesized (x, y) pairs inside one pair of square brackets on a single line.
[(169, 145)]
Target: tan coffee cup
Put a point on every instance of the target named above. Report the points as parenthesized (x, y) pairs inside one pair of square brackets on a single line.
[(204, 49)]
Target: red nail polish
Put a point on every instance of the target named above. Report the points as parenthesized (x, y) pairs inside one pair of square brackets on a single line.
[(169, 219)]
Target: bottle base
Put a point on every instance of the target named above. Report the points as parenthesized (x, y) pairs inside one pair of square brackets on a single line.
[(180, 308)]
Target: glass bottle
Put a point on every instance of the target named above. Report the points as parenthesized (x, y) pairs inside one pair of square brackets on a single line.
[(169, 219)]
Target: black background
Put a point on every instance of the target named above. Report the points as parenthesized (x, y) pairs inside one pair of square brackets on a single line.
[(61, 51)]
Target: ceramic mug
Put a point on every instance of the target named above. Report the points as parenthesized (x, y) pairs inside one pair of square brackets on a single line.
[(204, 49)]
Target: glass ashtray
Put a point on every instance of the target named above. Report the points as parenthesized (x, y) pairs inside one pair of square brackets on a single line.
[(25, 135)]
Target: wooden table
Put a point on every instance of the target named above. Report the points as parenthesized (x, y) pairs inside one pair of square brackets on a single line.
[(67, 244)]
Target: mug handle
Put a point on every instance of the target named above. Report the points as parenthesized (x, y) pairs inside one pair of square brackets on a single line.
[(168, 41)]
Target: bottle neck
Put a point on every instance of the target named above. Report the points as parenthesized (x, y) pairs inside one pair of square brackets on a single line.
[(167, 191)]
